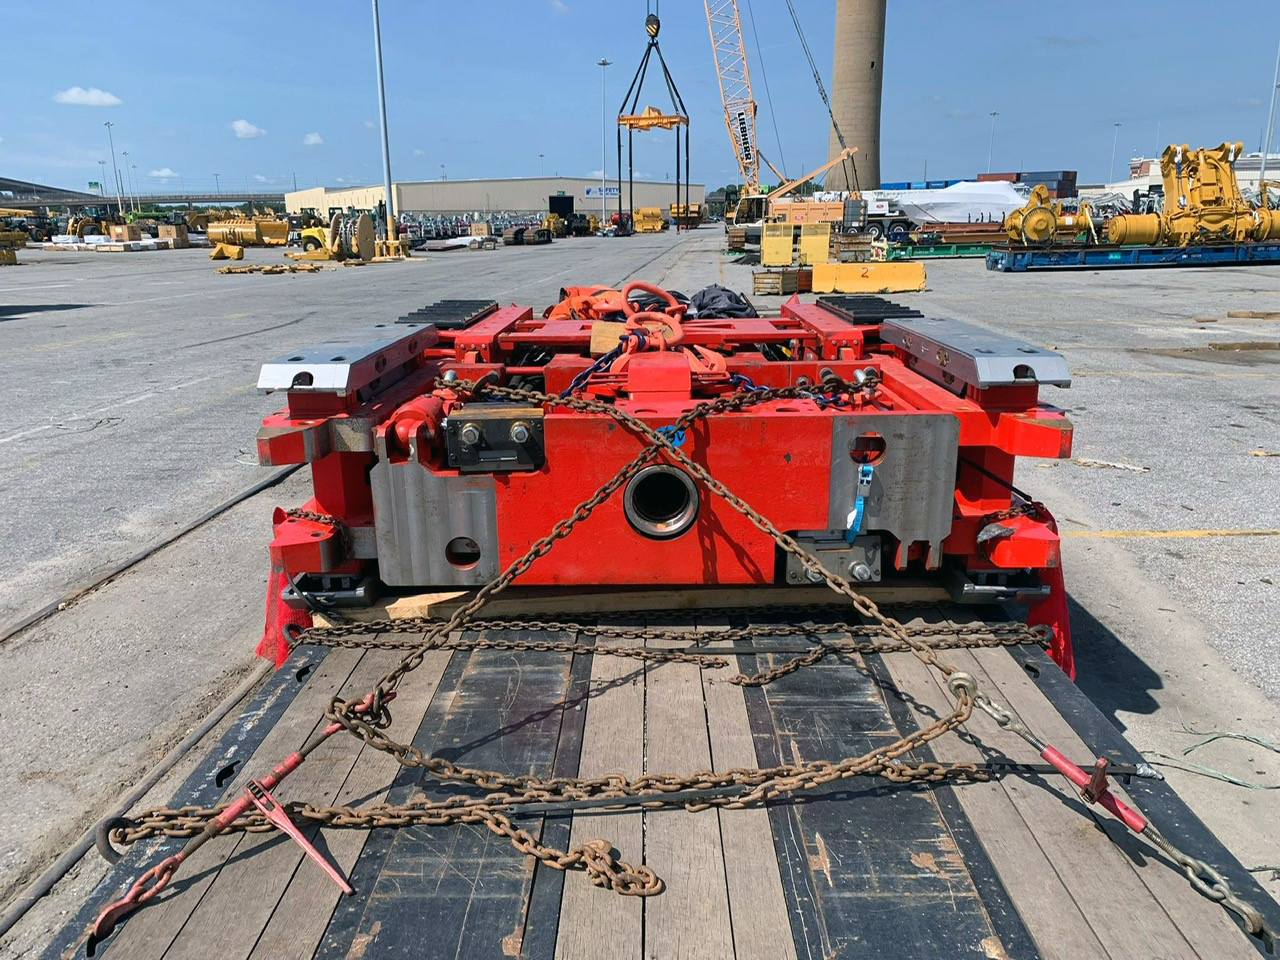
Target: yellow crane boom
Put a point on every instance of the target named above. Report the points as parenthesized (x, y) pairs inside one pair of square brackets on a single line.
[(730, 54)]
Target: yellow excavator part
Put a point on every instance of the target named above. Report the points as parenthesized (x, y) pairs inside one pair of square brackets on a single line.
[(345, 239), (226, 251), (648, 220), (1202, 203), (245, 232), (1042, 220)]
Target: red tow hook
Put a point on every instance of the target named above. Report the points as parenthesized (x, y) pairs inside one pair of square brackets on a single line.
[(256, 794), (1094, 789)]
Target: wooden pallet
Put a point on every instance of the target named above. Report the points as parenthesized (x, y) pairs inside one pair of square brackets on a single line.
[(1014, 867), (778, 283)]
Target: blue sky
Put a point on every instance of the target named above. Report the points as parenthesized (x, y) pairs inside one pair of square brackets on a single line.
[(484, 88)]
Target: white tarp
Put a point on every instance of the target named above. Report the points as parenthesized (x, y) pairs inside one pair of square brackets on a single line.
[(961, 202)]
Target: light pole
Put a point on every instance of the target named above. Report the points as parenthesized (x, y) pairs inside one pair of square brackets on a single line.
[(1271, 119), (991, 144), (115, 169), (603, 64), (542, 167), (382, 115), (102, 179), (217, 187), (133, 185), (128, 180), (1114, 141), (443, 175)]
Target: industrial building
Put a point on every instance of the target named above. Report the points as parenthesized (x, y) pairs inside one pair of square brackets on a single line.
[(511, 195)]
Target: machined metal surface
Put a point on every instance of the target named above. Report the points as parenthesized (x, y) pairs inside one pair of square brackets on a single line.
[(858, 562), (423, 520), (955, 353), (495, 437), (661, 502), (373, 357), (914, 456)]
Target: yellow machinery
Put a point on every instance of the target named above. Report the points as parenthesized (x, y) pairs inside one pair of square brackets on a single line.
[(686, 214), (898, 276), (11, 241), (1042, 221), (648, 220), (250, 232), (1202, 204), (815, 243), (346, 238), (777, 245), (556, 224)]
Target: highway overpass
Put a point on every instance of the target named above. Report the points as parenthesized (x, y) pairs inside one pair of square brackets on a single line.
[(24, 194)]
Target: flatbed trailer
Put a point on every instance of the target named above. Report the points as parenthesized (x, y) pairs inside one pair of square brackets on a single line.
[(1016, 260), (1014, 866), (935, 251)]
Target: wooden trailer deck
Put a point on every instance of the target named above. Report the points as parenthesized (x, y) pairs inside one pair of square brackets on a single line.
[(1012, 868)]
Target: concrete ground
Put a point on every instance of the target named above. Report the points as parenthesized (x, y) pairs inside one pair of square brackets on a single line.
[(128, 408)]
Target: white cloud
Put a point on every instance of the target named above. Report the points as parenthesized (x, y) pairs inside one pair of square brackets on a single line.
[(80, 97), (419, 153), (246, 130), (558, 8), (164, 173), (340, 179), (368, 124), (312, 140), (260, 178)]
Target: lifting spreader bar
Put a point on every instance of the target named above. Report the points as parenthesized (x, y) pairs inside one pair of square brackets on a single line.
[(256, 794)]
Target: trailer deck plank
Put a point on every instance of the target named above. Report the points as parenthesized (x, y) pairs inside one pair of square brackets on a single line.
[(685, 850), (590, 925), (758, 908), (1013, 867)]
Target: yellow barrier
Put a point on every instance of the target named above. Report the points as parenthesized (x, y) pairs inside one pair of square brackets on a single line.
[(899, 276)]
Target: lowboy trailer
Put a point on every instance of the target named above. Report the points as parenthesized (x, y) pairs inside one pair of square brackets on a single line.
[(803, 779)]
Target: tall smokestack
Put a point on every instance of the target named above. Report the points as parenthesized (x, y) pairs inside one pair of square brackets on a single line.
[(855, 89)]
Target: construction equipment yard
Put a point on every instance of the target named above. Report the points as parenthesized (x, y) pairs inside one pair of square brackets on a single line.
[(608, 563), (1168, 508)]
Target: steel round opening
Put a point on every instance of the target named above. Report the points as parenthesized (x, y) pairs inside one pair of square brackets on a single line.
[(462, 552), (661, 502)]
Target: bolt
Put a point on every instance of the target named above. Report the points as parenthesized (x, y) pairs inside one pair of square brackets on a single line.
[(860, 571), (450, 376), (470, 434), (520, 432), (814, 576)]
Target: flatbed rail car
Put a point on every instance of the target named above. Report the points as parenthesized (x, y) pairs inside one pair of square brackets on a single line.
[(1017, 260), (1013, 867)]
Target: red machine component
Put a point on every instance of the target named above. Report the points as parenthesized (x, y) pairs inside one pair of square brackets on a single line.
[(906, 475)]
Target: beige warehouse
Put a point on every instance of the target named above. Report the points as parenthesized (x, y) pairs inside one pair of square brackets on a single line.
[(461, 197)]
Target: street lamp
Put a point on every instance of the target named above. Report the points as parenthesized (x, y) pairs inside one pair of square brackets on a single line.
[(991, 144), (1271, 120), (116, 170), (382, 116), (1114, 141), (443, 175), (603, 64), (102, 179), (542, 167), (217, 187), (131, 189)]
